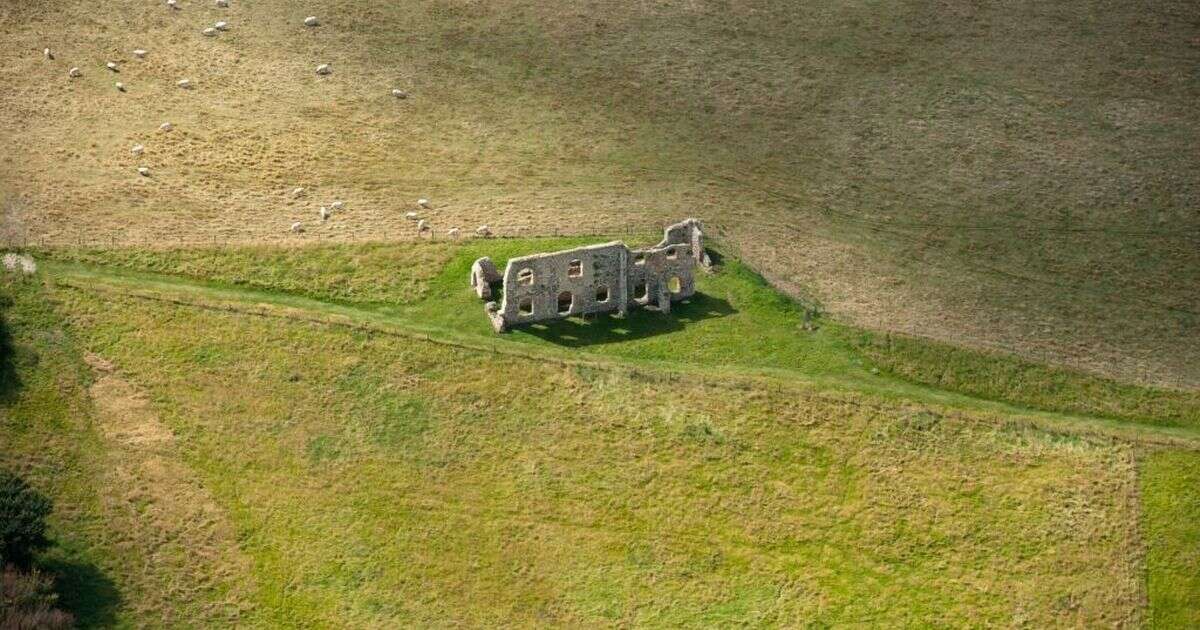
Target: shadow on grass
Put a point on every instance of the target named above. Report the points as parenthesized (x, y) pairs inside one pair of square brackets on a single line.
[(10, 382), (85, 591), (640, 324)]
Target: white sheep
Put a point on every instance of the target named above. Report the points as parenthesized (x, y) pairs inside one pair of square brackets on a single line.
[(324, 212), (399, 93), (324, 69), (173, 4), (452, 232), (139, 53), (422, 225), (483, 230), (411, 216), (166, 126), (223, 4), (337, 205), (143, 171), (221, 26), (209, 32), (297, 227), (137, 149), (298, 192), (311, 21), (424, 203), (120, 86), (74, 72), (48, 54), (111, 66), (185, 84)]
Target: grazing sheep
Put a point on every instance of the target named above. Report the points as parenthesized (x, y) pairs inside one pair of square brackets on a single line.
[(311, 21), (324, 212), (143, 171), (209, 32), (324, 69), (166, 126), (173, 4), (120, 86), (424, 203), (74, 72), (224, 4), (185, 84), (452, 232), (48, 54), (483, 231), (221, 26), (411, 216), (399, 93), (337, 205), (137, 149), (111, 66), (422, 225), (298, 192), (139, 53), (297, 227)]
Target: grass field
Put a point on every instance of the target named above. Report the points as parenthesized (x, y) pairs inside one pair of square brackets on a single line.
[(295, 467), (946, 376), (1004, 175)]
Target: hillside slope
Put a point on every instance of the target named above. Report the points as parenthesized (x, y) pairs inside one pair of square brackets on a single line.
[(1007, 175)]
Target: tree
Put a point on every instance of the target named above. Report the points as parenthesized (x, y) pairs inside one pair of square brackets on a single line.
[(23, 512)]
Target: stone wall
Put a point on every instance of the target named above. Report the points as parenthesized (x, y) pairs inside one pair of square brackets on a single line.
[(603, 278)]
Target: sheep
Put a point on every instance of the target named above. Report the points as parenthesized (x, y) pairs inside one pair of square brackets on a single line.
[(311, 21), (120, 86), (143, 171), (297, 227), (324, 212), (137, 149), (452, 232), (221, 26), (399, 93), (48, 54), (424, 203), (209, 32), (112, 66), (483, 231), (224, 4), (411, 216), (324, 69), (166, 126), (139, 53), (298, 192), (185, 84), (337, 205), (173, 4), (422, 225), (74, 72)]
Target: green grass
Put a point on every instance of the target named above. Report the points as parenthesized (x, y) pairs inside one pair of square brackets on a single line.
[(736, 319), (379, 480), (358, 478), (1171, 523), (996, 376)]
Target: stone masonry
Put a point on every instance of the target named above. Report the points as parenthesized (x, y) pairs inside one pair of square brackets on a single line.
[(603, 278)]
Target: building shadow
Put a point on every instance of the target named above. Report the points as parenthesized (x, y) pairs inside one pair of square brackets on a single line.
[(641, 323), (85, 592)]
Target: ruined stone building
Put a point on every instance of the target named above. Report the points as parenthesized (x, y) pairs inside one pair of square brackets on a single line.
[(603, 278)]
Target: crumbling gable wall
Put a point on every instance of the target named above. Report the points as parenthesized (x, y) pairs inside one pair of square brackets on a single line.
[(594, 279)]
